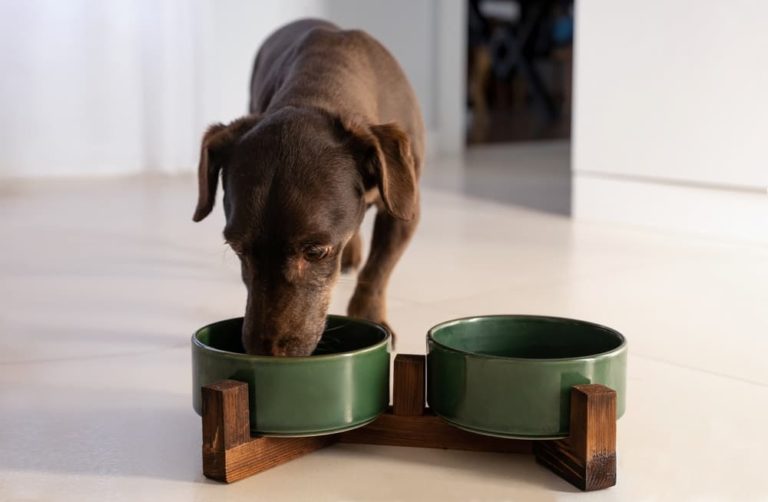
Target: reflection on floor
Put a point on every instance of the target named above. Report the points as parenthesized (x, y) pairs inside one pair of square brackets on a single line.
[(531, 175)]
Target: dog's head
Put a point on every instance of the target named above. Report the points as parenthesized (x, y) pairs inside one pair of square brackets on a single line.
[(295, 184)]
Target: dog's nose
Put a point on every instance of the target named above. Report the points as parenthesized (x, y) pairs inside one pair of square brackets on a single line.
[(259, 349), (279, 352), (281, 349)]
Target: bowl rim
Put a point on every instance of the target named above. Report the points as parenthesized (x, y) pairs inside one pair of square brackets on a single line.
[(621, 347), (196, 343)]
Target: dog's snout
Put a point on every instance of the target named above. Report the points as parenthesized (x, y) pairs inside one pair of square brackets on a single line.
[(280, 347), (255, 345), (265, 342)]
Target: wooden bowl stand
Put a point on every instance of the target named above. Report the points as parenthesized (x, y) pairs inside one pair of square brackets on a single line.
[(586, 459)]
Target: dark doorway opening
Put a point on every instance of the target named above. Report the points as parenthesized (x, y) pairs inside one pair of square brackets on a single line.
[(519, 82), (519, 88)]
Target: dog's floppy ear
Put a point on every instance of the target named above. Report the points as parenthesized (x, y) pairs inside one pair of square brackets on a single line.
[(214, 153), (386, 158)]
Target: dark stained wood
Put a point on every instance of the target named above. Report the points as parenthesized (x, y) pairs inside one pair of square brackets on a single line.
[(229, 451), (428, 431), (587, 459), (225, 415), (408, 385), (260, 454)]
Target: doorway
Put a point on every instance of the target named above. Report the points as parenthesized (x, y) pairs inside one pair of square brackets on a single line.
[(519, 90)]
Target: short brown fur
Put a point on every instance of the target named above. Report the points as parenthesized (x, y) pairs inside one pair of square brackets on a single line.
[(334, 127)]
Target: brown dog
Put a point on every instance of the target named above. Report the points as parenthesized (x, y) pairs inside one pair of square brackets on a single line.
[(334, 127)]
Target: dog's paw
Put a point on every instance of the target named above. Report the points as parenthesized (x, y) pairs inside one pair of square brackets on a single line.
[(366, 306), (370, 308), (391, 333)]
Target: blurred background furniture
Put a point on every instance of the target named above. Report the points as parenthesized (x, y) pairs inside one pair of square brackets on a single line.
[(519, 70)]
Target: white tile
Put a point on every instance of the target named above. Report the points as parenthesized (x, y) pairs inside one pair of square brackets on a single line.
[(704, 309), (130, 434), (103, 282)]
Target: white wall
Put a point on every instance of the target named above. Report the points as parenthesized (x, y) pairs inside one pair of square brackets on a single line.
[(671, 115), (238, 27), (231, 32), (125, 86), (71, 91)]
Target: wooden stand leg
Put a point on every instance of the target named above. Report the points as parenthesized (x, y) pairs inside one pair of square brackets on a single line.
[(410, 423), (587, 458), (229, 451), (408, 385)]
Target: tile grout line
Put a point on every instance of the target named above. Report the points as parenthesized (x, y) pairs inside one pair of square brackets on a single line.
[(700, 370)]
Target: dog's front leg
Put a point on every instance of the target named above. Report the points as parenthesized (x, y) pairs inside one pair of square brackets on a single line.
[(390, 238), (352, 254)]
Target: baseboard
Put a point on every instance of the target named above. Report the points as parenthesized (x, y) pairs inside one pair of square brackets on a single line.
[(733, 214)]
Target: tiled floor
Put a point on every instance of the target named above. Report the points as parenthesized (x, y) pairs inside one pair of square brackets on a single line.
[(102, 283)]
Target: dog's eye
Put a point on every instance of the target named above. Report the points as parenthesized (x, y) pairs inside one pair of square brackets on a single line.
[(316, 252)]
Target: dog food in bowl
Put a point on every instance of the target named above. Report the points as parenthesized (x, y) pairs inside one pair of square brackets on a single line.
[(343, 385)]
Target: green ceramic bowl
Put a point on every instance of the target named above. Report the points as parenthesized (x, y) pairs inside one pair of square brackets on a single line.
[(343, 385), (510, 375)]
